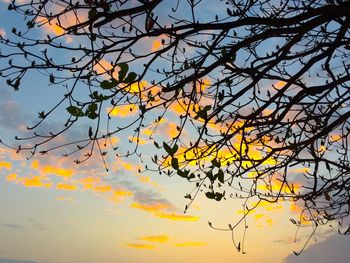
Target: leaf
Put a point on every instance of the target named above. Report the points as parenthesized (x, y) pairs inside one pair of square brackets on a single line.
[(92, 13), (123, 70), (92, 107), (210, 195), (327, 196), (130, 78), (156, 144), (92, 115), (221, 176), (218, 196), (169, 150), (108, 84), (175, 163), (90, 132), (75, 111), (215, 163), (183, 174)]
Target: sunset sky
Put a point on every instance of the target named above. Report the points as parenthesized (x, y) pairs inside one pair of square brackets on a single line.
[(52, 210)]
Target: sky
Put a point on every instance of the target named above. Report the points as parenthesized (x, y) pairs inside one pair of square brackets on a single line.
[(53, 210)]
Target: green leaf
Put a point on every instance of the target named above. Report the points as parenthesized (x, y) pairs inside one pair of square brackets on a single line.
[(75, 111), (169, 150), (210, 195), (218, 196), (221, 176), (181, 173), (92, 13), (207, 108), (130, 78), (108, 84), (175, 163), (92, 115), (216, 163), (90, 132), (92, 107), (123, 70)]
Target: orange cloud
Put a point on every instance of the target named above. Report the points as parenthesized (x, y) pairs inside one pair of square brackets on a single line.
[(156, 45), (2, 32), (35, 164), (139, 140), (151, 207), (34, 181), (140, 246), (66, 187), (280, 84), (172, 130), (103, 188), (58, 171), (123, 111), (191, 244), (6, 165), (160, 239), (11, 177), (119, 194), (176, 217)]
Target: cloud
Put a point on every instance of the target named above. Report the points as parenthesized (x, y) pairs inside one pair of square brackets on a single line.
[(66, 187), (12, 226), (159, 207), (159, 239), (4, 260), (6, 165), (176, 216), (2, 32), (139, 246), (12, 115), (333, 249)]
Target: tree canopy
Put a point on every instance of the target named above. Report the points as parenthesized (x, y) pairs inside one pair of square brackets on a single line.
[(258, 91)]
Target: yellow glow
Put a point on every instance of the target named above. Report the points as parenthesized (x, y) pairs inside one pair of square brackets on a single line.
[(156, 45), (119, 194), (140, 246), (66, 187), (280, 84), (140, 141), (258, 216), (335, 137), (172, 131), (34, 181), (151, 207), (11, 177), (58, 171), (103, 188), (123, 111), (160, 239), (176, 217), (6, 165), (35, 164)]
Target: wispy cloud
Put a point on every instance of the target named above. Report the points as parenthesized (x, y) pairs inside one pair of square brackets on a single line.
[(12, 226), (139, 246), (159, 238), (333, 249)]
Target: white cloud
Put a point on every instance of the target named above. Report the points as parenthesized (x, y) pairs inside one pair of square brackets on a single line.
[(333, 249)]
